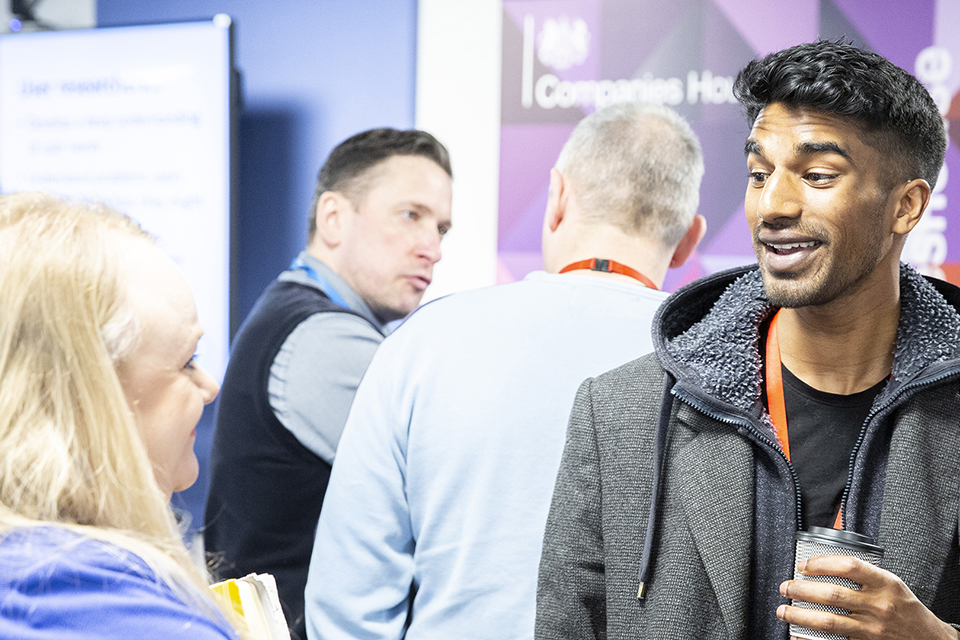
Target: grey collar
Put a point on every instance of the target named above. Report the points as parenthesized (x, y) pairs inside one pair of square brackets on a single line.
[(720, 351), (334, 281)]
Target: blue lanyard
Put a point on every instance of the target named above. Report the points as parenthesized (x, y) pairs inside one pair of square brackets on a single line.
[(336, 298)]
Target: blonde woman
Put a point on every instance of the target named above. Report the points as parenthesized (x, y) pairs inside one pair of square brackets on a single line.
[(99, 398)]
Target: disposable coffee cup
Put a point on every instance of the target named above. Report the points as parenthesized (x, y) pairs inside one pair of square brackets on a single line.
[(820, 541)]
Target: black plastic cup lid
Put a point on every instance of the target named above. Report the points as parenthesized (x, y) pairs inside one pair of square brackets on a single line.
[(840, 538)]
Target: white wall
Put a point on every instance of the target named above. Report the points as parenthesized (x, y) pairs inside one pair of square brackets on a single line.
[(458, 100)]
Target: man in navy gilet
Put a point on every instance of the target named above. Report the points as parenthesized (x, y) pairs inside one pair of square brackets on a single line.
[(381, 207)]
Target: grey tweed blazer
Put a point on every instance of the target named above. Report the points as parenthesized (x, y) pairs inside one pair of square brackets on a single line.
[(702, 548)]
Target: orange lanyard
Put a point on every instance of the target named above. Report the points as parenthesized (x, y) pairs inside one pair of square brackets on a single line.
[(775, 402), (611, 266), (776, 405)]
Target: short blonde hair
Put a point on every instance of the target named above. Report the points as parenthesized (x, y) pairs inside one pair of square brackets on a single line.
[(72, 453)]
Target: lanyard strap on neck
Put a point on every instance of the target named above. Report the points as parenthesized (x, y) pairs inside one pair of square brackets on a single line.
[(774, 379), (325, 286), (776, 405), (611, 266)]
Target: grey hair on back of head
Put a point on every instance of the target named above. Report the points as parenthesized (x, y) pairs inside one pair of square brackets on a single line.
[(638, 166)]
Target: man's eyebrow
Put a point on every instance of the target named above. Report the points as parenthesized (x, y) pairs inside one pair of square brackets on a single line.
[(752, 146), (414, 204), (817, 148)]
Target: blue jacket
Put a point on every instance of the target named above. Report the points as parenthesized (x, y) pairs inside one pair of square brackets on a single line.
[(57, 585)]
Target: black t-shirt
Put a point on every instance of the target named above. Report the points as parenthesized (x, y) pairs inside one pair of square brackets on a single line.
[(823, 429)]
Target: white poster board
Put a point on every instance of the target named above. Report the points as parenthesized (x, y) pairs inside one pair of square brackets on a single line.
[(139, 118)]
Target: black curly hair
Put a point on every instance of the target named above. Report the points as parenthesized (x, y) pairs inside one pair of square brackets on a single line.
[(896, 114)]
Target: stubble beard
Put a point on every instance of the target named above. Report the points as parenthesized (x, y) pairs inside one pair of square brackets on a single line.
[(840, 275)]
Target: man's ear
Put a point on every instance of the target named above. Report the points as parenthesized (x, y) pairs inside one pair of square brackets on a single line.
[(557, 198), (331, 211), (689, 242), (912, 199)]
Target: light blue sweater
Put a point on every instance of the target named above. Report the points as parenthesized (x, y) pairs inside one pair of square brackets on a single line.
[(447, 463)]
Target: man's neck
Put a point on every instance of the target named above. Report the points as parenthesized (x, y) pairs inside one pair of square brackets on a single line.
[(605, 241), (840, 348)]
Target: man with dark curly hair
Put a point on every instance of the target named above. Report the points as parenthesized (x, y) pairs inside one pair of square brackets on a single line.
[(818, 388)]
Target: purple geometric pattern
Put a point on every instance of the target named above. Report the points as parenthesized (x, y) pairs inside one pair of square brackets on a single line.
[(898, 30), (771, 26), (686, 55)]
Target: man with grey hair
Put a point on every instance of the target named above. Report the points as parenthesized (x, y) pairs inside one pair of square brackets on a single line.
[(433, 520)]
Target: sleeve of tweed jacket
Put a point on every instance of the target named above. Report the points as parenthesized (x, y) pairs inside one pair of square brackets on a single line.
[(571, 600)]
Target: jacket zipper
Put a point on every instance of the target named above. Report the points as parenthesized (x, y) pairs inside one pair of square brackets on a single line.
[(753, 431), (911, 388)]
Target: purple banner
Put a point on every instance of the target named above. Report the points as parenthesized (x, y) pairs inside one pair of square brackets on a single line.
[(563, 59)]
